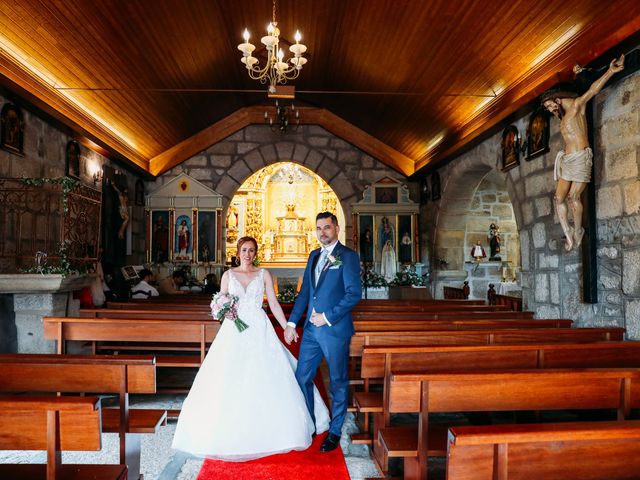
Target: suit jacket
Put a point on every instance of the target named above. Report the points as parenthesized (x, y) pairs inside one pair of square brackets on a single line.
[(337, 292)]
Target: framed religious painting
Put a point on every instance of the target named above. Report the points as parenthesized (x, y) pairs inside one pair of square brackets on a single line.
[(72, 156), (425, 191), (386, 194), (139, 193), (11, 129), (366, 238), (435, 186), (538, 134), (206, 236), (385, 239), (183, 239), (160, 236), (510, 148), (405, 239)]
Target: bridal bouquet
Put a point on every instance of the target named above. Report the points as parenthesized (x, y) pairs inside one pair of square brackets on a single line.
[(224, 306)]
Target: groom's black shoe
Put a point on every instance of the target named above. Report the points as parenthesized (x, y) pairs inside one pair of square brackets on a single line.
[(330, 443)]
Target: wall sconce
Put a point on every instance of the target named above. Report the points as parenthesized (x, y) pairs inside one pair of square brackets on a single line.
[(96, 173), (282, 118)]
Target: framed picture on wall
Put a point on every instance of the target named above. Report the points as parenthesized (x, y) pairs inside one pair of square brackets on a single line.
[(160, 236), (405, 239), (538, 134), (386, 194), (510, 148), (366, 234), (425, 191), (72, 159), (435, 186), (207, 236), (183, 240), (11, 129)]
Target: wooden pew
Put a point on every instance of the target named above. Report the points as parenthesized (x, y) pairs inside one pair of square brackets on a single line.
[(584, 450), (53, 424), (378, 362), (421, 316), (457, 324), (457, 293), (201, 332), (370, 303), (445, 392), (121, 374), (513, 303), (483, 337)]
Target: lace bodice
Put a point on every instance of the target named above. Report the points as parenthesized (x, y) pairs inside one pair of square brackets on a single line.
[(253, 294)]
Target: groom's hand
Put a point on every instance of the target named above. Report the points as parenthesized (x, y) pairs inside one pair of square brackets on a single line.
[(290, 335), (318, 319)]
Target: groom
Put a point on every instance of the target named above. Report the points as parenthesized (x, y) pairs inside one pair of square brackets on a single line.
[(330, 289)]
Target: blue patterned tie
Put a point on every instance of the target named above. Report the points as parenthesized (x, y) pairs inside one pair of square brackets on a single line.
[(320, 265)]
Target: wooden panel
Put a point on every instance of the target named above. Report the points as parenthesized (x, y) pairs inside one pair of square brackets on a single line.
[(144, 77)]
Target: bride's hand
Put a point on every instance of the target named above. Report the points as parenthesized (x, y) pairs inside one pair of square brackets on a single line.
[(290, 335)]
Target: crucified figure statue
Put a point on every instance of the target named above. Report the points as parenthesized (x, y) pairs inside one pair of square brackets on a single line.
[(572, 168)]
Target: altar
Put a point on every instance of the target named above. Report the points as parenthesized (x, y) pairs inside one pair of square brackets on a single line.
[(291, 240)]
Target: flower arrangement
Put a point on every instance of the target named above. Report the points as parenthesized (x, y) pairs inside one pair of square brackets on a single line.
[(287, 294), (370, 278), (408, 277), (63, 267), (224, 306)]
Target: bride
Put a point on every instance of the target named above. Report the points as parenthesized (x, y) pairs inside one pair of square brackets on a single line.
[(245, 402)]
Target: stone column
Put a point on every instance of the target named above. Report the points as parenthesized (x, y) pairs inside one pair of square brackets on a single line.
[(29, 310)]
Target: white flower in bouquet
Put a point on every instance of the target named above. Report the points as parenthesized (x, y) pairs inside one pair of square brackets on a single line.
[(224, 306)]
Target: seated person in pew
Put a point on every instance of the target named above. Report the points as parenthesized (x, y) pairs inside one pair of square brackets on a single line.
[(171, 285), (143, 289)]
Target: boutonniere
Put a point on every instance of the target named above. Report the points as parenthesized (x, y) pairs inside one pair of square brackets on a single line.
[(334, 261)]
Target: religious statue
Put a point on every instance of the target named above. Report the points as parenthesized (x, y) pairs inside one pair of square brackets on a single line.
[(388, 266), (494, 242), (123, 209), (405, 248), (572, 168), (232, 224), (477, 252), (160, 240), (184, 240)]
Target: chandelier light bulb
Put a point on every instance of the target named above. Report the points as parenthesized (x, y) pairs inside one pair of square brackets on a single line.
[(297, 37), (246, 35), (270, 28)]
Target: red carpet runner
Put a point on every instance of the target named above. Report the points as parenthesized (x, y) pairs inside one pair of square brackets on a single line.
[(310, 464)]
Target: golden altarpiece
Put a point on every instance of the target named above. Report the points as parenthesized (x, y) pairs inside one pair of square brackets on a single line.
[(277, 205)]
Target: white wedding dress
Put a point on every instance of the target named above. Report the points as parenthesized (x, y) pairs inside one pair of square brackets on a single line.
[(245, 402)]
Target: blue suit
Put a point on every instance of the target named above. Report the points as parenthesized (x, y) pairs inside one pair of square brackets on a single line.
[(337, 291)]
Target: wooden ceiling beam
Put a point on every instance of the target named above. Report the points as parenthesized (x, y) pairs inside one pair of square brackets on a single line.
[(255, 115)]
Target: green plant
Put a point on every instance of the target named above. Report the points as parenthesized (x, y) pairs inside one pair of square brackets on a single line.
[(67, 184), (64, 266), (370, 278), (408, 277), (287, 294)]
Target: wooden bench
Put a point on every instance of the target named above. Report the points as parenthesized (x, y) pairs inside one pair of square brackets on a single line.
[(483, 337), (584, 450), (121, 375), (150, 332), (53, 424), (379, 362), (513, 303), (457, 324), (457, 293), (376, 302), (563, 389)]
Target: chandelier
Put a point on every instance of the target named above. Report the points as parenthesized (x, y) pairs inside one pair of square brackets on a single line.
[(276, 69), (282, 118)]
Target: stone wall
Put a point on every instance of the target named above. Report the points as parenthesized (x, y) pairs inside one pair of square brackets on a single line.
[(551, 278), (44, 156), (227, 164)]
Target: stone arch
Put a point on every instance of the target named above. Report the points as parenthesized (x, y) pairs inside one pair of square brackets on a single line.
[(463, 181), (347, 191)]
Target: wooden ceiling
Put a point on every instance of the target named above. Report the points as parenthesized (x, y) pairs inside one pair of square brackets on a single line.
[(153, 80)]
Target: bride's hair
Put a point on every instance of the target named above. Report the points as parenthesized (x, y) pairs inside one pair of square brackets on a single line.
[(244, 240)]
